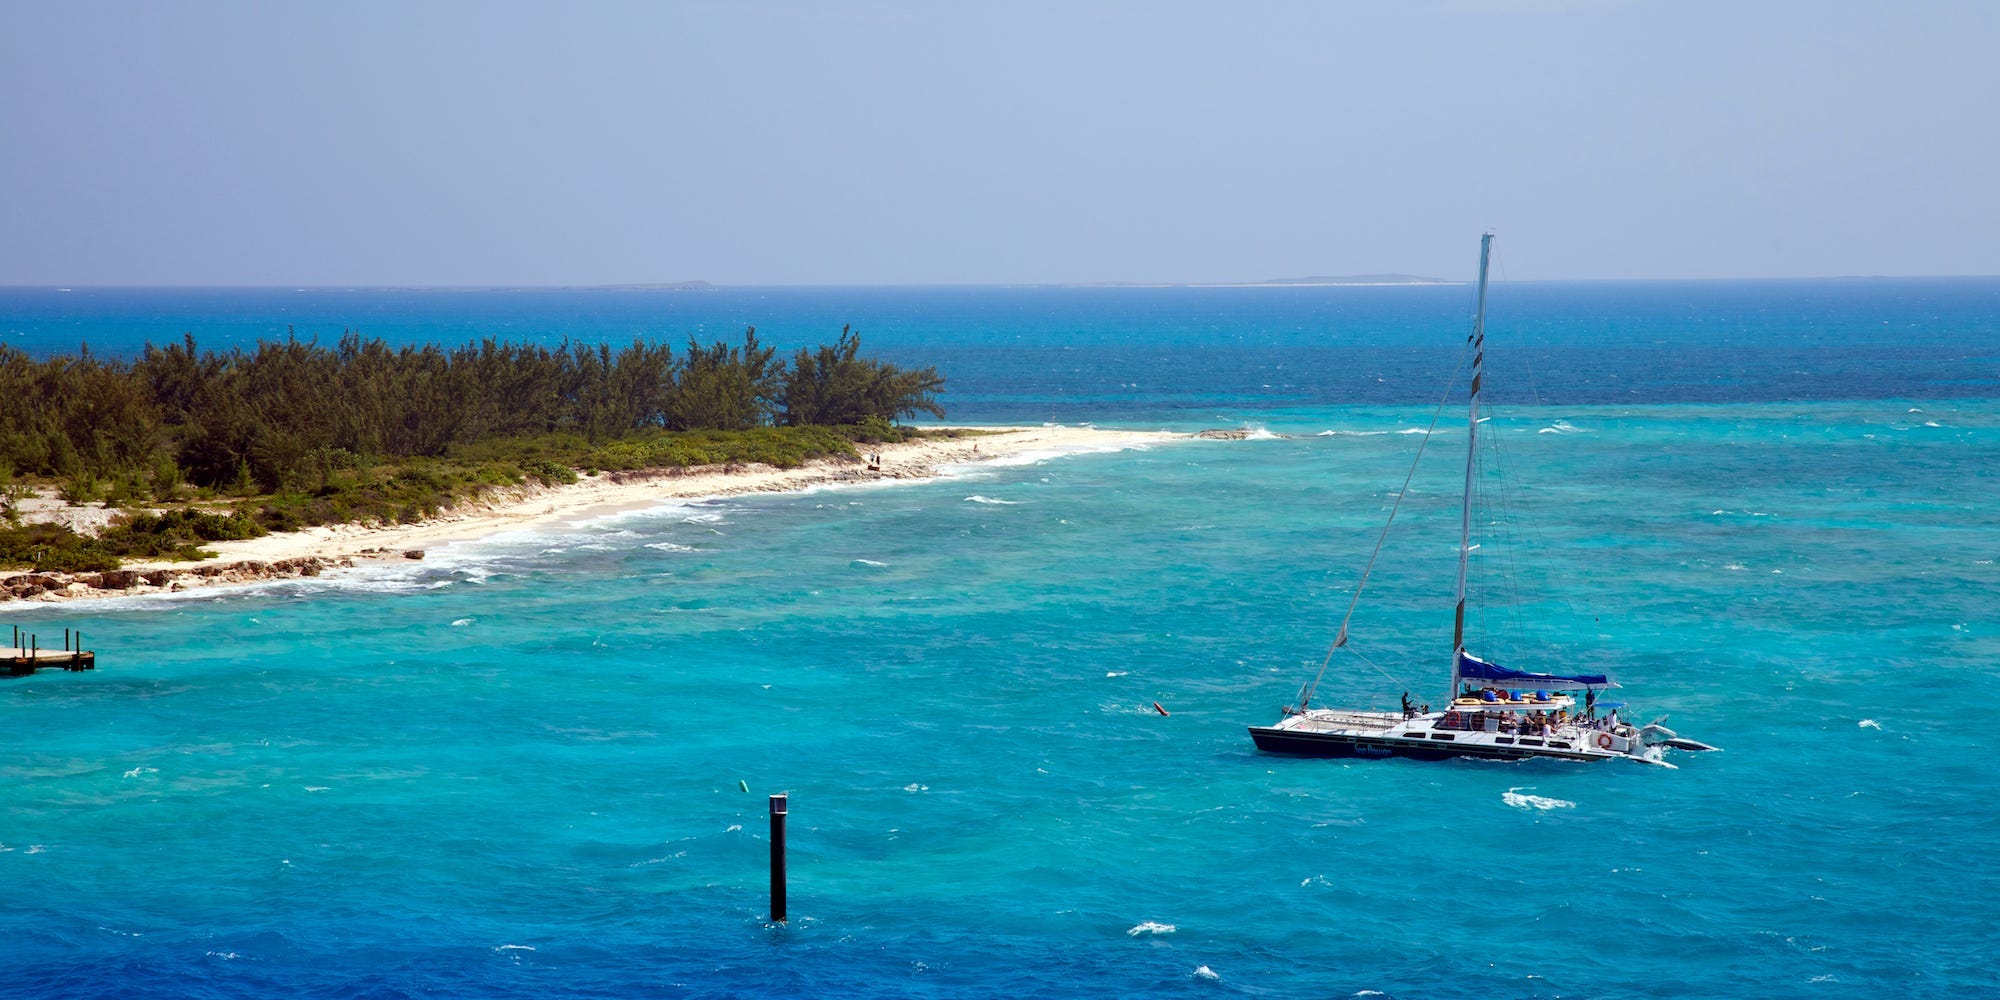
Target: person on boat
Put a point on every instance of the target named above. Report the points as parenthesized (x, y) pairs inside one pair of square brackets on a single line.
[(1409, 707)]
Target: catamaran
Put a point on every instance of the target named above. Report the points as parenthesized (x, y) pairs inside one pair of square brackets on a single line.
[(1494, 712)]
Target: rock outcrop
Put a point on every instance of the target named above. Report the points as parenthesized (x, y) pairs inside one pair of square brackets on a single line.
[(61, 586)]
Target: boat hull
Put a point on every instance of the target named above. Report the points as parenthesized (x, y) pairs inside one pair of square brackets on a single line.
[(1305, 743)]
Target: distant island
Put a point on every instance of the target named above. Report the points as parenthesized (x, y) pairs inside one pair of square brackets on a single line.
[(1352, 279), (1313, 281), (656, 286)]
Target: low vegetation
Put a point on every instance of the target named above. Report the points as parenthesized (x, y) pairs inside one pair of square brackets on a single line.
[(233, 445)]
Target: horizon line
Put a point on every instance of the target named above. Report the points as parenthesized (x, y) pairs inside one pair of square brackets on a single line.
[(699, 285)]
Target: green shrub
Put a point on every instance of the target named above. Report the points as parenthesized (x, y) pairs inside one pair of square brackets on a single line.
[(80, 487), (548, 473), (84, 558)]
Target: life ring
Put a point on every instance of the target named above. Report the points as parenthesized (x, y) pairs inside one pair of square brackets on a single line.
[(1604, 741), (1451, 720)]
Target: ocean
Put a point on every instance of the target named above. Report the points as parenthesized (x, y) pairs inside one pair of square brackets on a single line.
[(537, 765)]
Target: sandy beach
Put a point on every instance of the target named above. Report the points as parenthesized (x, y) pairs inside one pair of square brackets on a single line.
[(313, 550)]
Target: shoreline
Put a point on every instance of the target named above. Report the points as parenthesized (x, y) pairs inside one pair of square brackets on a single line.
[(312, 551)]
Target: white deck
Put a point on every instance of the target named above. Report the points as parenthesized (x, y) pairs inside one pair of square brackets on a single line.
[(1570, 739), (1327, 720)]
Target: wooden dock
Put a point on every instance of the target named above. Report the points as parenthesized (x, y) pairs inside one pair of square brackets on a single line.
[(27, 655)]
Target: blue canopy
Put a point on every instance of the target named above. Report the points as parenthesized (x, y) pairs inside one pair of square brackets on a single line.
[(1471, 668)]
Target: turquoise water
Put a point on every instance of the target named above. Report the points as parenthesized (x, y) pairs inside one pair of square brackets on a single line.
[(513, 768)]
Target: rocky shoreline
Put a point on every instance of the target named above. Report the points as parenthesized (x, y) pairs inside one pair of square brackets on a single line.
[(52, 587)]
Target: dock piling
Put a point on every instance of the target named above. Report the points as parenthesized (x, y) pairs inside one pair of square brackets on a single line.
[(25, 656), (779, 806)]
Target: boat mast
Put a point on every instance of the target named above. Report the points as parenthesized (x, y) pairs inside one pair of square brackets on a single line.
[(1471, 452)]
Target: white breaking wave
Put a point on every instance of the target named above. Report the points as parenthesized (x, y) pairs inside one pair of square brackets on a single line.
[(1037, 456), (1562, 427), (868, 562), (1204, 972), (1151, 927), (1515, 798), (676, 856), (976, 498), (1869, 724), (462, 622), (669, 547)]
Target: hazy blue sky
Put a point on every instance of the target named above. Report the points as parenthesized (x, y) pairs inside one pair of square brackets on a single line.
[(494, 143)]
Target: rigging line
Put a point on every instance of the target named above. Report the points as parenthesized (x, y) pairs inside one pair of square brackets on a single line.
[(1502, 620), (1499, 508), (1340, 639), (1496, 503), (1399, 682), (1534, 387)]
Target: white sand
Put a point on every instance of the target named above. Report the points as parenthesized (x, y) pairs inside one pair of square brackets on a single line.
[(611, 493)]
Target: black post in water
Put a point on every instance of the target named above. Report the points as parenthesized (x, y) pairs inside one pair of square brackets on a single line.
[(778, 804)]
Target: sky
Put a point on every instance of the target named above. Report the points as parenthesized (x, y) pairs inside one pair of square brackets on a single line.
[(495, 143)]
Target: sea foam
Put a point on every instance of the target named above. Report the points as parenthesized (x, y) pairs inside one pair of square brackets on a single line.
[(1516, 798)]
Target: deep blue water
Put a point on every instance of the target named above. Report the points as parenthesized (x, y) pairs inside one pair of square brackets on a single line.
[(1145, 354), (513, 769)]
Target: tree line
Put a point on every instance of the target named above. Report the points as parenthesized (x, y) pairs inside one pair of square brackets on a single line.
[(287, 414)]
